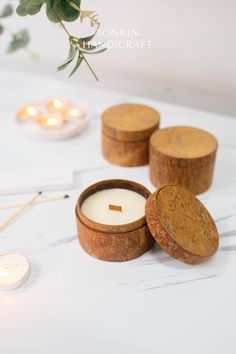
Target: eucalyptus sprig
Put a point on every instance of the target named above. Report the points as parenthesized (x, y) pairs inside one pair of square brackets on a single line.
[(58, 11), (18, 39), (79, 47)]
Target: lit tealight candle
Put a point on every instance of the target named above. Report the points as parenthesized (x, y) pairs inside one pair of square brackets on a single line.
[(49, 121), (14, 271), (28, 112), (114, 206), (74, 113), (56, 105)]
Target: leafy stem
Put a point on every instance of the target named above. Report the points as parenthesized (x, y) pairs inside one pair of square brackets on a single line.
[(73, 41), (57, 11), (89, 66)]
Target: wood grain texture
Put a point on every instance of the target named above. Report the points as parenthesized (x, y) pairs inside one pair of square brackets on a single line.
[(113, 242), (181, 225), (125, 154), (126, 130), (130, 122), (183, 156)]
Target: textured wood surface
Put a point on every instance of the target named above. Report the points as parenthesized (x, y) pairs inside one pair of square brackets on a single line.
[(125, 154), (181, 225), (126, 130), (183, 156), (113, 242), (130, 122)]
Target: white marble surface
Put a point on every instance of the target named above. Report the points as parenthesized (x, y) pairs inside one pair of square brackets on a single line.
[(76, 304)]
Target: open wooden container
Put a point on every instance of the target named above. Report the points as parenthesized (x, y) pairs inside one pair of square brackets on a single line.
[(126, 129), (113, 242), (183, 156), (174, 218)]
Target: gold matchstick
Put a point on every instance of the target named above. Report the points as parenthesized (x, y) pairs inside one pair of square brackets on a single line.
[(43, 200), (20, 210)]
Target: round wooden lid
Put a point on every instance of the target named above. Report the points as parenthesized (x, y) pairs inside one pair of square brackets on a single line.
[(181, 225), (184, 142), (130, 122)]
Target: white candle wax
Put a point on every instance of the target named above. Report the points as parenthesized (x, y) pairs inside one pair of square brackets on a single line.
[(14, 271), (96, 206)]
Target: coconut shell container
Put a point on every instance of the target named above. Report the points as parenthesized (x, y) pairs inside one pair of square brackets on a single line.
[(183, 156), (119, 220), (126, 131)]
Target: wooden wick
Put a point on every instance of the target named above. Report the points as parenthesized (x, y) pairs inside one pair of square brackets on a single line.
[(115, 207)]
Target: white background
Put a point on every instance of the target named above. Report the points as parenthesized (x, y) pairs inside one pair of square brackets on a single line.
[(191, 61)]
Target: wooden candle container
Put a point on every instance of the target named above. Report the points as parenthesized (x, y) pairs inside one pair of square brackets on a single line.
[(126, 130), (174, 218), (183, 156), (181, 225), (113, 242)]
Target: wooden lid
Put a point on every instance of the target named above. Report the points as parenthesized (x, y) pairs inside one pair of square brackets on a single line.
[(130, 122), (183, 142), (181, 225)]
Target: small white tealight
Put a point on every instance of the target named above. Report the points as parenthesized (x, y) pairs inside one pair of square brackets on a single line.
[(74, 113), (14, 271), (50, 121), (28, 112), (56, 105)]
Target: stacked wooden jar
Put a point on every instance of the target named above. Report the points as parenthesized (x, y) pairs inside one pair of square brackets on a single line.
[(180, 155), (181, 161)]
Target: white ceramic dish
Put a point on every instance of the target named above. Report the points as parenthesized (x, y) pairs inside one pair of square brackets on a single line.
[(68, 130)]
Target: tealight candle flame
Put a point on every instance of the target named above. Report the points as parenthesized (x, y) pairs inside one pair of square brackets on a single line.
[(74, 113), (32, 111), (28, 112), (56, 105), (3, 272), (50, 121)]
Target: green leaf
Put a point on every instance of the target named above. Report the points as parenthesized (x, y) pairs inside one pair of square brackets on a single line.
[(94, 52), (50, 12), (78, 63), (1, 29), (70, 58), (89, 38), (29, 7), (7, 11), (61, 10), (19, 40)]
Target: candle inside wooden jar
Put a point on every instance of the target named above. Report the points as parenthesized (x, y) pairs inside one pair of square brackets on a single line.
[(115, 206)]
